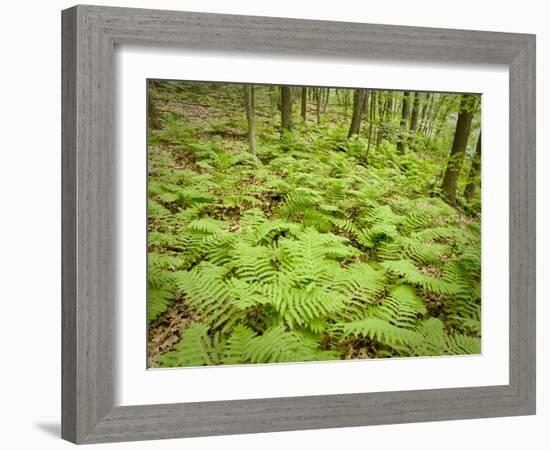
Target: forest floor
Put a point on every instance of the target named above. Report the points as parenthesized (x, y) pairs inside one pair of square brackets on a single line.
[(312, 250)]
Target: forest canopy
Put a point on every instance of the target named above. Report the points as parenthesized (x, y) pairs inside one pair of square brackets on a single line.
[(292, 224)]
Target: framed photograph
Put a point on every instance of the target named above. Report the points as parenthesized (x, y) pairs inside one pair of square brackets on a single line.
[(279, 224)]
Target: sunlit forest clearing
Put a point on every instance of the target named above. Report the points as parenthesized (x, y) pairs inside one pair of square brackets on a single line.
[(293, 224)]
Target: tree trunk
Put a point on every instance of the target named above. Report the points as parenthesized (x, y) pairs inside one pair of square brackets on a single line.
[(371, 120), (440, 120), (458, 149), (248, 91), (272, 102), (402, 142), (318, 104), (415, 110), (382, 133), (346, 103), (425, 110), (380, 104), (366, 101), (475, 170), (414, 118), (358, 99), (152, 110), (325, 103), (286, 108), (303, 110), (434, 122)]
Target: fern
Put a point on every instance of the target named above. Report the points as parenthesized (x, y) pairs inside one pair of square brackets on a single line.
[(158, 301), (411, 274), (303, 306), (401, 307), (378, 329), (310, 250), (194, 349)]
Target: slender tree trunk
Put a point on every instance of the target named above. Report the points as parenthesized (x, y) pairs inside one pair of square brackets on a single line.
[(374, 112), (338, 101), (318, 104), (366, 101), (325, 102), (441, 121), (253, 97), (383, 119), (475, 170), (415, 110), (380, 103), (358, 99), (402, 142), (152, 110), (272, 102), (346, 103), (458, 149), (249, 109), (303, 110), (394, 103), (425, 110), (433, 122), (414, 118), (286, 108), (371, 120)]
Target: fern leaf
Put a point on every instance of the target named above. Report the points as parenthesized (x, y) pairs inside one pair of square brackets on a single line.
[(194, 349), (408, 271), (378, 329)]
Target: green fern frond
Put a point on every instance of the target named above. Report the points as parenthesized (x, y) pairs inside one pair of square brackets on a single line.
[(279, 345), (358, 282), (459, 344), (253, 263), (423, 252), (303, 306), (401, 307), (409, 272), (207, 294), (238, 345), (194, 349), (158, 301), (207, 225), (378, 329), (265, 232)]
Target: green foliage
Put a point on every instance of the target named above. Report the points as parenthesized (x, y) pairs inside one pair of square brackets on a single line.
[(305, 252)]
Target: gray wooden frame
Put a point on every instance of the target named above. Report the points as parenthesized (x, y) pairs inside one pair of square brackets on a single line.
[(89, 36)]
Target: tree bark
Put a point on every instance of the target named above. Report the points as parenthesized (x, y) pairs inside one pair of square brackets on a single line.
[(414, 118), (434, 130), (303, 110), (402, 142), (248, 91), (383, 131), (475, 170), (371, 121), (458, 149), (358, 99), (415, 110), (434, 121), (286, 108), (318, 104), (325, 102), (338, 101), (152, 110), (425, 110), (346, 102), (380, 104)]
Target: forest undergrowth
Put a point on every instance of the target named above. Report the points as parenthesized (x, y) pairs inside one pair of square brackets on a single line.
[(318, 247)]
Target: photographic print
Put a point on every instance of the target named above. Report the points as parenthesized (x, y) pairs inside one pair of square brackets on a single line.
[(298, 223)]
